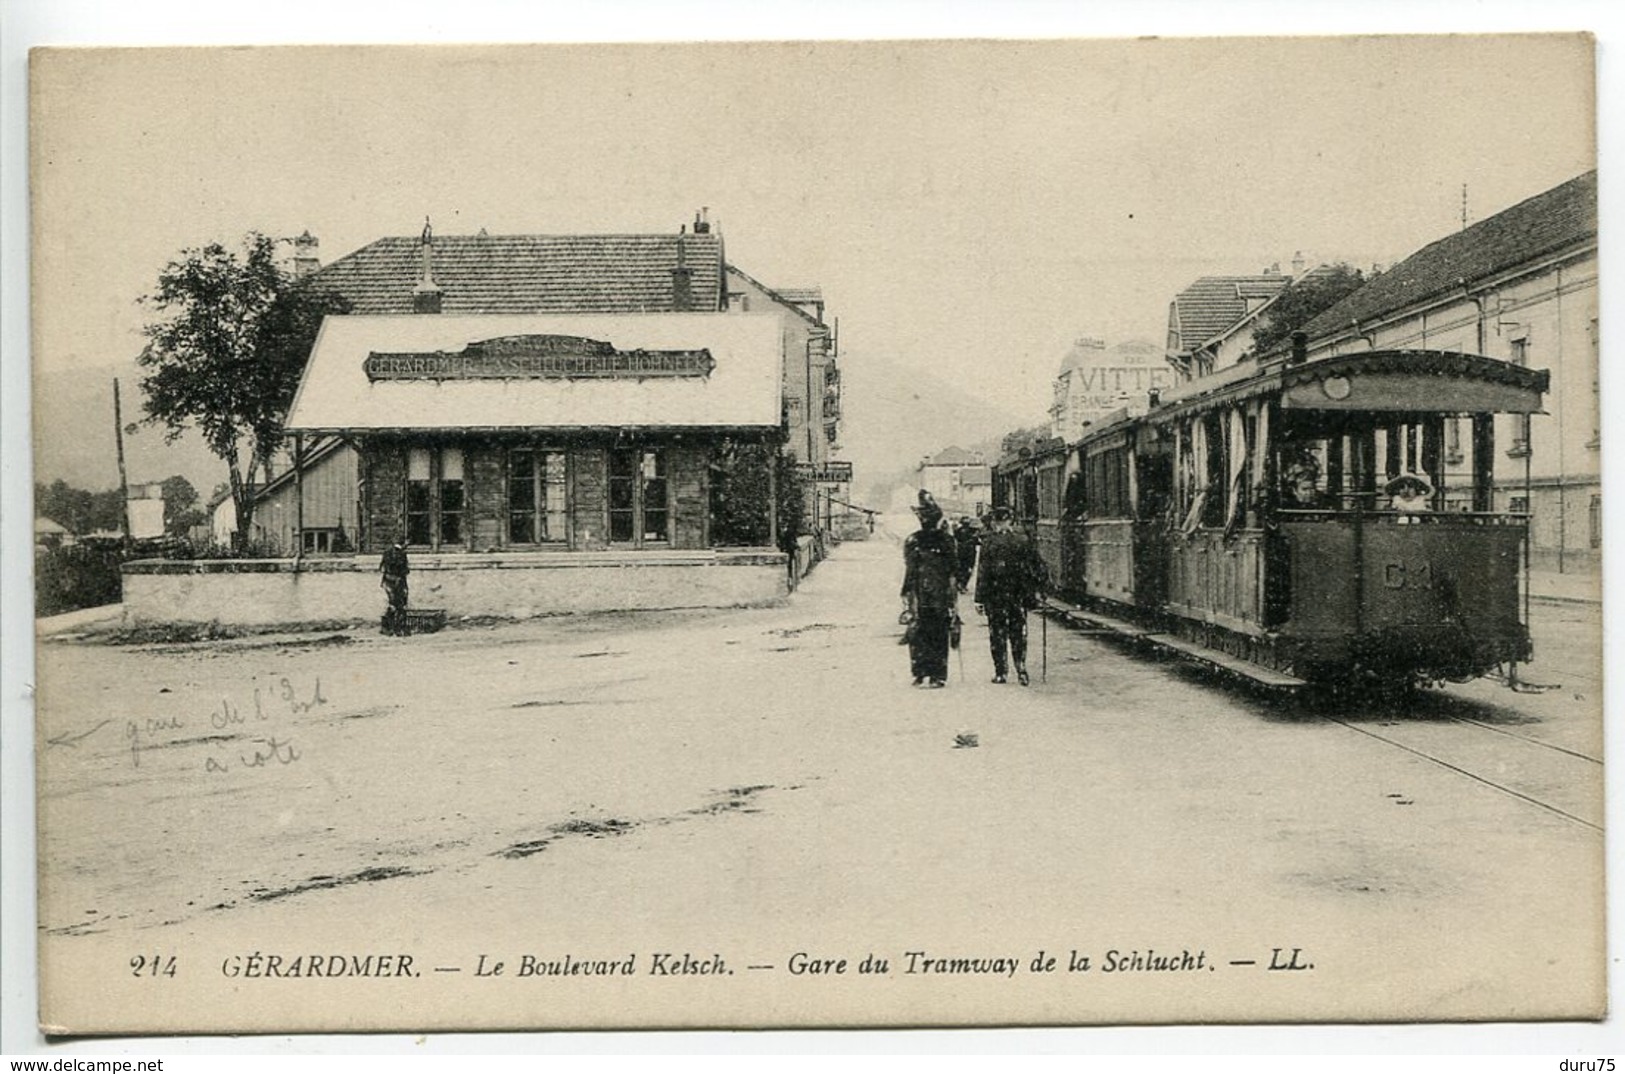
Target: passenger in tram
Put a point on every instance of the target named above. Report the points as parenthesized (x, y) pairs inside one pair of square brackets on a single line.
[(1300, 486), (1409, 494)]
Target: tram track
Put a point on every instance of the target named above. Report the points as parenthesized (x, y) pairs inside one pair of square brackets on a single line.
[(1543, 769)]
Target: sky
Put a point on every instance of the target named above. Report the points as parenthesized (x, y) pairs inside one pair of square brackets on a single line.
[(968, 207)]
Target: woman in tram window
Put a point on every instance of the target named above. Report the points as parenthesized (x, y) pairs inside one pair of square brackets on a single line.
[(1300, 485), (1409, 494)]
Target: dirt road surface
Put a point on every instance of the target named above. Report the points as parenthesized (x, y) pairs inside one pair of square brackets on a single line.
[(736, 796)]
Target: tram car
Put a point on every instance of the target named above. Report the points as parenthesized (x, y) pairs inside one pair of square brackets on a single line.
[(1303, 522)]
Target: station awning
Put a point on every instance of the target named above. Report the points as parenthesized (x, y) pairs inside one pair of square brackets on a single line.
[(437, 372)]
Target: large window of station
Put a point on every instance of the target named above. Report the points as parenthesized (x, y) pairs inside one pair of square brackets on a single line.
[(639, 509), (537, 496), (435, 502)]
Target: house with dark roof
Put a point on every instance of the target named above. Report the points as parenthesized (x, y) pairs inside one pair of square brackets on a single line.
[(1521, 286), (961, 481), (1210, 322), (520, 412)]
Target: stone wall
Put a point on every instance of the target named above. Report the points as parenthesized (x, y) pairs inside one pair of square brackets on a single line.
[(264, 593), (486, 488), (688, 478), (383, 469), (589, 480)]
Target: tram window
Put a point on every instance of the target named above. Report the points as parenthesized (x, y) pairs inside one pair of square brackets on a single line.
[(1049, 492), (1106, 484)]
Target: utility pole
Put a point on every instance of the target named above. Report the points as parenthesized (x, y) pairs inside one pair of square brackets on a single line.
[(123, 480)]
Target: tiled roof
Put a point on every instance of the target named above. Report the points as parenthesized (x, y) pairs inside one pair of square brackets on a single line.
[(531, 273), (801, 295), (1560, 217), (1214, 303)]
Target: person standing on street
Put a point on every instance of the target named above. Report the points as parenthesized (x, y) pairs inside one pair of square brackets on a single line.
[(394, 569), (965, 540), (930, 585), (1008, 584)]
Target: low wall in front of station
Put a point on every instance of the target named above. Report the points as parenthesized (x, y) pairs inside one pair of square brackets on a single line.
[(271, 592)]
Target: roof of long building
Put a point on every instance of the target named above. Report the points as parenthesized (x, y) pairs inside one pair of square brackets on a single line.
[(1548, 222), (496, 274), (1214, 303)]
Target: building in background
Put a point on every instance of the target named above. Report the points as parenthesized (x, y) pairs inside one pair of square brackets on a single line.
[(145, 504), (960, 481), (1520, 286), (1096, 380), (1211, 322)]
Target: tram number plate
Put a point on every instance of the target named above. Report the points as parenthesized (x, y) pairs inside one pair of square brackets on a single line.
[(1407, 575)]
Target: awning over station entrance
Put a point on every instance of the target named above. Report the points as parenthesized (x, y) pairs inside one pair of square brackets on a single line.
[(436, 372)]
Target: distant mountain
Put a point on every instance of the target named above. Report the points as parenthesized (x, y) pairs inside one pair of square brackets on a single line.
[(73, 434), (894, 415)]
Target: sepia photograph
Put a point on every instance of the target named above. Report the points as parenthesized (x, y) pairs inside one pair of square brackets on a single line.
[(817, 534)]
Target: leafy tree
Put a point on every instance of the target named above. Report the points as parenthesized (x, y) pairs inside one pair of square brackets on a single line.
[(229, 340), (1302, 301), (78, 510), (181, 510), (739, 495)]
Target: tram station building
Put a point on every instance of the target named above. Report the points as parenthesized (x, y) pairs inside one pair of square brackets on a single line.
[(546, 423)]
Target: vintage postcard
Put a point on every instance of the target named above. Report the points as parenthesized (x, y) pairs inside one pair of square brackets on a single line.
[(817, 534)]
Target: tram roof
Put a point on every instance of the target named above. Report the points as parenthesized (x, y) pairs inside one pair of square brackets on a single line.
[(1389, 380)]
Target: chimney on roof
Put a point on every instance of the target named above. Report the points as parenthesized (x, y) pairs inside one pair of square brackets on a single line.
[(702, 222), (682, 289), (1297, 264), (305, 259), (427, 294)]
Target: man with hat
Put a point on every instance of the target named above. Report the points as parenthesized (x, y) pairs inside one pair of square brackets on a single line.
[(1008, 583), (394, 569), (930, 566)]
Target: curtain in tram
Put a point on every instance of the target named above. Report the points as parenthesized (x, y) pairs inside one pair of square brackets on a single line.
[(1197, 477), (1238, 459), (1261, 447)]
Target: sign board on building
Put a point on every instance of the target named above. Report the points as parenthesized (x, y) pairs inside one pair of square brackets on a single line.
[(831, 473), (538, 356), (1095, 381)]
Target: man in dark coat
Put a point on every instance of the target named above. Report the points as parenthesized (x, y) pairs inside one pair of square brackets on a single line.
[(394, 569), (1008, 583), (930, 572), (966, 540)]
